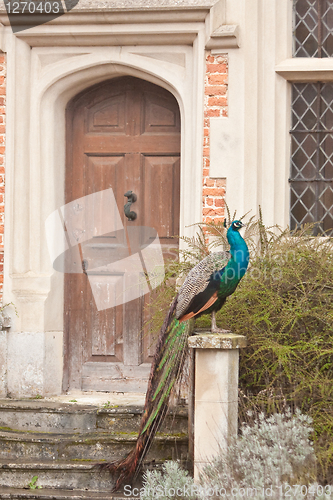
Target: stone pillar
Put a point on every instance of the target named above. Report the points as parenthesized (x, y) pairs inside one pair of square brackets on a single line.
[(216, 393)]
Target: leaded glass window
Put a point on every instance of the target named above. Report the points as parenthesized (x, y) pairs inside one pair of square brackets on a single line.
[(313, 23), (311, 173), (312, 156)]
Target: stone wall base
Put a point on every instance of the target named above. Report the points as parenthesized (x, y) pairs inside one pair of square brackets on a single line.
[(31, 364)]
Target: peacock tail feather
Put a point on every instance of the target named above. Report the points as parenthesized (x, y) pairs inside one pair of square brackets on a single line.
[(166, 367)]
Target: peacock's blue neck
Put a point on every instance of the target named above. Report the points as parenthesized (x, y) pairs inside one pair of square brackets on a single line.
[(239, 252)]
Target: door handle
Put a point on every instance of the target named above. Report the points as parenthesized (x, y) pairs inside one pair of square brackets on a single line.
[(127, 207)]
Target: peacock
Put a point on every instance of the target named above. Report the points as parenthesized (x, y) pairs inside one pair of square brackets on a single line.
[(204, 291)]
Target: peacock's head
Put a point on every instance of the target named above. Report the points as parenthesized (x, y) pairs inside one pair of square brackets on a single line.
[(236, 225)]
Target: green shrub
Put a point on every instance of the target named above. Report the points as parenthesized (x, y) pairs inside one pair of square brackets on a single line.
[(284, 306)]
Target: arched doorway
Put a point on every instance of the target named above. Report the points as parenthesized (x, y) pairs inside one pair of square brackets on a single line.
[(122, 134)]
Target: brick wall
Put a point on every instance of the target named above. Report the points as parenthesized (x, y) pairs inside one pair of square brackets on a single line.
[(216, 104), (2, 160)]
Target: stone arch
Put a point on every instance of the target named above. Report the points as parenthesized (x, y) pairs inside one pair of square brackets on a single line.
[(53, 103)]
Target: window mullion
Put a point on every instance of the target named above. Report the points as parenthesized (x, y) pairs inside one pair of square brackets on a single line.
[(320, 28)]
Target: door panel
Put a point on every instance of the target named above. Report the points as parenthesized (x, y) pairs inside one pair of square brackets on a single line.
[(122, 134), (162, 174)]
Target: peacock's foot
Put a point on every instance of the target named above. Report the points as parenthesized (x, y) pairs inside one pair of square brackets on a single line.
[(214, 328), (219, 330)]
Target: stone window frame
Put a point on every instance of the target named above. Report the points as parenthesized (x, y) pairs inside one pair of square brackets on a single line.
[(298, 70)]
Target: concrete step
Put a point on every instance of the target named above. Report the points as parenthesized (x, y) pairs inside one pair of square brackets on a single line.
[(52, 417), (88, 446)]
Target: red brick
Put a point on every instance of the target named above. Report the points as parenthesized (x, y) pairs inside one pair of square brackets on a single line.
[(224, 112), (220, 182), (217, 68), (206, 132), (206, 151), (212, 112), (209, 202), (213, 191), (210, 58), (217, 79), (208, 211), (210, 182), (2, 59), (219, 202), (222, 59), (205, 171), (217, 101), (215, 90)]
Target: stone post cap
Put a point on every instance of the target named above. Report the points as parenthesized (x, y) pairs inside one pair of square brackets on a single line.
[(207, 340)]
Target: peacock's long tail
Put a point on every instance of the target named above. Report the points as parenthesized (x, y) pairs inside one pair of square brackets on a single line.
[(166, 366)]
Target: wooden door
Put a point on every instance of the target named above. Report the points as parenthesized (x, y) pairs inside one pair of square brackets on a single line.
[(122, 134)]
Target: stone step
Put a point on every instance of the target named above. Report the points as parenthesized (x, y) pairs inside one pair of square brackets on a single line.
[(61, 442), (59, 494), (87, 446), (46, 416), (75, 475), (56, 479)]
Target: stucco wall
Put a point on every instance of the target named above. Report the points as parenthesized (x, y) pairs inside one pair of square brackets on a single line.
[(2, 161)]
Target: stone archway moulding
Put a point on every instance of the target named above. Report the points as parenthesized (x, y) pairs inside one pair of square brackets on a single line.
[(47, 66)]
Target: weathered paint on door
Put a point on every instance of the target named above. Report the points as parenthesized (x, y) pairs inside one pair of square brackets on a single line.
[(122, 134)]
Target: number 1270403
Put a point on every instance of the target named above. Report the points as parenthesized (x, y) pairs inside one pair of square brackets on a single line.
[(43, 7)]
